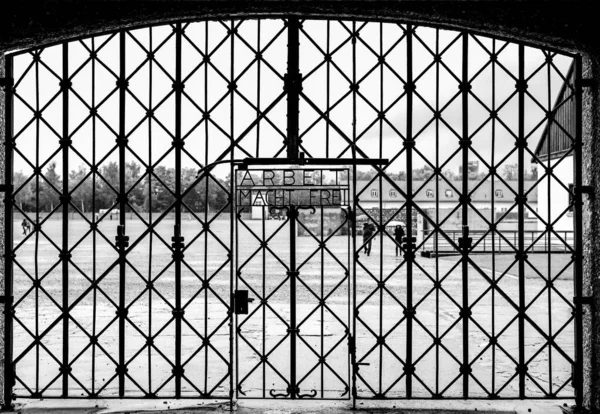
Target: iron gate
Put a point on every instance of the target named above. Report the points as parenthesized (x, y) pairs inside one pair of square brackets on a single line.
[(303, 310), (122, 150)]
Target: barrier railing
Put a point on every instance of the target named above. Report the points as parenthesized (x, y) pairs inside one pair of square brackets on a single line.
[(505, 241)]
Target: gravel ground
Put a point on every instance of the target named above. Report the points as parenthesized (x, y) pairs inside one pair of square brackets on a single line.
[(382, 292)]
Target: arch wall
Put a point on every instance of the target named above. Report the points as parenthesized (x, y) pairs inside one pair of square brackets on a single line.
[(564, 25)]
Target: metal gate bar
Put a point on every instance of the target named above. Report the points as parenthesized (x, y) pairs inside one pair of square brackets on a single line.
[(121, 239), (520, 199), (465, 368), (409, 253)]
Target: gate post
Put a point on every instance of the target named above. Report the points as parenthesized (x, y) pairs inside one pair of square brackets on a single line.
[(590, 345), (7, 376)]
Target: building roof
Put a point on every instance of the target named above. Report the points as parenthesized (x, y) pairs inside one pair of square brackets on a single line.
[(483, 193), (560, 133)]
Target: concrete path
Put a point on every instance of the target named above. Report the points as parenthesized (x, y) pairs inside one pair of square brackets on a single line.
[(294, 407)]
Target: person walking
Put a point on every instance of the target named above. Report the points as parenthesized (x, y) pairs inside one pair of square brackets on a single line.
[(398, 235), (367, 236), (25, 226)]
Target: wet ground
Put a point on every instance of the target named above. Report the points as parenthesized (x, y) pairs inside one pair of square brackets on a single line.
[(384, 286), (305, 407)]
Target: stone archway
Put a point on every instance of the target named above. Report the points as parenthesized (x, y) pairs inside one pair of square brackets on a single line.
[(564, 27)]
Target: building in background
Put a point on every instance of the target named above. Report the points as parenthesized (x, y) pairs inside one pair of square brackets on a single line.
[(555, 150), (492, 202)]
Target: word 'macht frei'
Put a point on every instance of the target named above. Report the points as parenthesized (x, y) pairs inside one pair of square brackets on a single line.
[(293, 186)]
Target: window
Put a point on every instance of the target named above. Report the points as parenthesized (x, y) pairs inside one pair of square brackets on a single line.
[(374, 193), (393, 194), (499, 193), (429, 193), (449, 194)]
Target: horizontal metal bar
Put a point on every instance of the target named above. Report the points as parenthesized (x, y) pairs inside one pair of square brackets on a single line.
[(5, 188), (315, 161)]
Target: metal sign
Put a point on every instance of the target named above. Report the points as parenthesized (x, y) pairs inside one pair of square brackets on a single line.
[(293, 186)]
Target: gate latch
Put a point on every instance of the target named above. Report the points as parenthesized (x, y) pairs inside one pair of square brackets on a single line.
[(241, 301)]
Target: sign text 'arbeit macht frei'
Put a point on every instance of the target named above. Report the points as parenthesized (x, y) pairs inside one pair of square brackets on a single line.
[(293, 186)]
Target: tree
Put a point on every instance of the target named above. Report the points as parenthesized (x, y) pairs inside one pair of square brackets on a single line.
[(510, 172), (134, 188), (82, 196), (105, 195), (50, 189), (24, 197), (423, 173)]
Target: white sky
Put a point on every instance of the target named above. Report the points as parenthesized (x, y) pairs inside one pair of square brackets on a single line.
[(150, 85)]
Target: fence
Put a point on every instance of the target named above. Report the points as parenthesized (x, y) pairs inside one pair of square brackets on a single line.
[(505, 241)]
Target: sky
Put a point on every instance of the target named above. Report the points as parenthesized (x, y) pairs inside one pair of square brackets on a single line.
[(258, 85)]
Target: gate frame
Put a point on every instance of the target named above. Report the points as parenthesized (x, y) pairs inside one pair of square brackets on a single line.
[(292, 148)]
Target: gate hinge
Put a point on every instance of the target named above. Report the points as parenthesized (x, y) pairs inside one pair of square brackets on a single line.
[(6, 188), (584, 189), (585, 83), (584, 300), (6, 83), (587, 189), (6, 299)]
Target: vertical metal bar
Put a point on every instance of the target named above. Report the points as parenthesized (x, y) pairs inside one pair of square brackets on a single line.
[(232, 156), (38, 223), (232, 240), (65, 217), (233, 227), (258, 88), (150, 219), (264, 308), (465, 211), (9, 373), (122, 205), (238, 211), (437, 215), (549, 214), (94, 232), (409, 211), (293, 79), (493, 219), (353, 223), (349, 294), (177, 231), (578, 236), (322, 347), (328, 86), (521, 216), (293, 211), (380, 218)]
